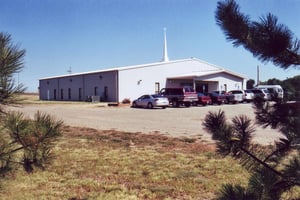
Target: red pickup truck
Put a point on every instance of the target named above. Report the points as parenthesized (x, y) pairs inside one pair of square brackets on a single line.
[(185, 96)]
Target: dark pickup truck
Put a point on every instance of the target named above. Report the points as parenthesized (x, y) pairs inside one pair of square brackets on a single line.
[(219, 98), (229, 98), (185, 96)]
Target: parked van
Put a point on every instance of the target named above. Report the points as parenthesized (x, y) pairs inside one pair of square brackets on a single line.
[(186, 96), (267, 94), (275, 91)]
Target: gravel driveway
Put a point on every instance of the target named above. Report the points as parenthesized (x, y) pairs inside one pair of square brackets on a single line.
[(171, 121)]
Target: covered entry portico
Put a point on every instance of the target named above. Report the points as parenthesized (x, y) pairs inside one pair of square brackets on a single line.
[(208, 81)]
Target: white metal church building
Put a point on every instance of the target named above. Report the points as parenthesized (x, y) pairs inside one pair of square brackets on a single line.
[(130, 82)]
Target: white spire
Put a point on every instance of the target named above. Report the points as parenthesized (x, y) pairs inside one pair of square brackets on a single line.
[(165, 53)]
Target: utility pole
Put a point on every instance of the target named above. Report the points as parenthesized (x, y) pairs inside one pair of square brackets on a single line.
[(165, 51), (257, 81)]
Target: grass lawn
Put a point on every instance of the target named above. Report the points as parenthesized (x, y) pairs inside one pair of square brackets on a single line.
[(92, 164)]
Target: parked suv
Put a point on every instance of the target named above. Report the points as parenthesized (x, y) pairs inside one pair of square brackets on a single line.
[(249, 95), (261, 93), (180, 96), (238, 95)]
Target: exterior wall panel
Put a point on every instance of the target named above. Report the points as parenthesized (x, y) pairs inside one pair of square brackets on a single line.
[(101, 84), (135, 82), (80, 87)]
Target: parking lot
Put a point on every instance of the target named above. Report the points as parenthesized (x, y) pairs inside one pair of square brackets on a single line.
[(174, 122)]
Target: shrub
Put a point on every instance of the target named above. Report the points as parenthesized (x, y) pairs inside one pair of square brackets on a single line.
[(126, 101)]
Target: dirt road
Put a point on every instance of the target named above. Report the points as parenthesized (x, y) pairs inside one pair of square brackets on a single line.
[(171, 121)]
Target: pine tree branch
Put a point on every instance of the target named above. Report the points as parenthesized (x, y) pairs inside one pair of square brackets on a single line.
[(282, 147), (11, 161), (295, 57), (13, 151), (267, 40), (261, 162)]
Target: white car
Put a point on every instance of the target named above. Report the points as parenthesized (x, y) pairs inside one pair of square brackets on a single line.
[(249, 95), (150, 101), (238, 95)]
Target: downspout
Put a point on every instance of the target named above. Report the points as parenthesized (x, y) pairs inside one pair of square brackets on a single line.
[(194, 84), (58, 90), (83, 87), (117, 85)]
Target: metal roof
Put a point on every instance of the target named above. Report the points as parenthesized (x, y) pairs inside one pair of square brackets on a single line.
[(204, 67)]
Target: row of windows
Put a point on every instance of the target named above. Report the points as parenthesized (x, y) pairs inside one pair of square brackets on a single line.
[(69, 93)]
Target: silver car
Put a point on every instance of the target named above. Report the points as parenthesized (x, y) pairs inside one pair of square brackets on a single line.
[(150, 101)]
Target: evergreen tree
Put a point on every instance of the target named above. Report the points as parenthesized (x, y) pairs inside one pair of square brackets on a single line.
[(250, 84), (24, 142), (275, 169), (292, 88), (11, 62)]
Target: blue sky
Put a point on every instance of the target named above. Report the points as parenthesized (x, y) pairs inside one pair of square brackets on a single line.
[(87, 35)]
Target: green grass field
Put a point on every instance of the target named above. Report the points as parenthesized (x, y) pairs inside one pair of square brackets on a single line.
[(91, 164)]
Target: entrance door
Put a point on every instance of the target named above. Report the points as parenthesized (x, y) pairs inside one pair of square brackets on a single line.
[(105, 93), (157, 87), (202, 87), (80, 94), (54, 94)]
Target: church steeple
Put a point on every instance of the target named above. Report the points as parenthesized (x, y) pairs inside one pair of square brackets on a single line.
[(165, 52)]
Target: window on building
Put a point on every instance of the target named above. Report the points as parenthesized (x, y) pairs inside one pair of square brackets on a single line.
[(157, 87), (225, 87), (61, 94), (54, 94), (80, 94), (202, 87), (105, 94), (96, 91), (69, 93)]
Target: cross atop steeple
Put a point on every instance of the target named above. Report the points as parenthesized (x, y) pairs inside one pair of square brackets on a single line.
[(165, 52)]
